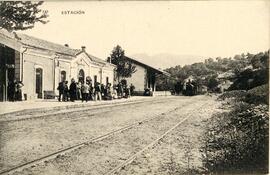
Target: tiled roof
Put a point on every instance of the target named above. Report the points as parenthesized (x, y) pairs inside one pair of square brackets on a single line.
[(40, 43), (149, 66), (96, 59), (7, 34), (43, 44)]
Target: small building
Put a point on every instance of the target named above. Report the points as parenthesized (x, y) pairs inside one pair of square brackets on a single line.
[(224, 85), (41, 65), (144, 77), (189, 79), (225, 80)]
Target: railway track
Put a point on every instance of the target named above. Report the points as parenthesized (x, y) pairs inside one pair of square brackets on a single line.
[(134, 156), (87, 108), (79, 145)]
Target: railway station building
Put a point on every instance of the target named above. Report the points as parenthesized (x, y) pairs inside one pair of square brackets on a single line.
[(41, 65), (144, 77)]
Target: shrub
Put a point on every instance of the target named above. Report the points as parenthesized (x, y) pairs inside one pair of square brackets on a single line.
[(250, 78), (237, 141), (236, 94), (258, 95)]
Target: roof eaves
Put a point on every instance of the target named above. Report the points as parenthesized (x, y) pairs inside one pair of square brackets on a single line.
[(42, 48), (151, 67), (39, 43)]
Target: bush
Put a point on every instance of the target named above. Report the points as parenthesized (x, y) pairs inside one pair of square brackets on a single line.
[(237, 141), (258, 95), (250, 78), (236, 94)]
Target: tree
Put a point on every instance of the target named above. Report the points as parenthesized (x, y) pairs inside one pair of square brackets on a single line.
[(212, 83), (20, 15), (124, 67), (265, 60), (256, 61)]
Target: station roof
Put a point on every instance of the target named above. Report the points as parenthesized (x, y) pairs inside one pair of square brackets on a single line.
[(47, 45), (158, 70)]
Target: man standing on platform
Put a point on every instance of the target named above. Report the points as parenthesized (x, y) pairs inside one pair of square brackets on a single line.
[(132, 88), (61, 88), (97, 91), (85, 91), (72, 90)]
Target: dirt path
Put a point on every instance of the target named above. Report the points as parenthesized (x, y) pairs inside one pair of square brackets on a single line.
[(103, 156), (26, 140), (179, 151)]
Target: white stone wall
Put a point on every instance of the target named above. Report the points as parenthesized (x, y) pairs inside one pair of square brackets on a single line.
[(52, 67), (107, 72), (138, 79), (32, 61), (95, 70), (78, 63), (64, 66)]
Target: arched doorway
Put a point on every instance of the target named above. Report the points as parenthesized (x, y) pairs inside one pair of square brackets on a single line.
[(63, 76), (7, 70), (39, 77), (81, 75)]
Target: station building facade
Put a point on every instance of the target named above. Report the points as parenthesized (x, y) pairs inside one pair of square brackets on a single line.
[(41, 65), (144, 77)]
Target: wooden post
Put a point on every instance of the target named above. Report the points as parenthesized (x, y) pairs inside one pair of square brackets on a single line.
[(5, 85), (4, 93)]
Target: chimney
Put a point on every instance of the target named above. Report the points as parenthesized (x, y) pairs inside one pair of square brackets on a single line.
[(83, 48), (66, 45), (109, 59)]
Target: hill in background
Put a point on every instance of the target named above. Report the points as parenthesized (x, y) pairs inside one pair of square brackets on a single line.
[(166, 60)]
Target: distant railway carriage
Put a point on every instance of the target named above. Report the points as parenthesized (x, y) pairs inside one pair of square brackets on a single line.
[(189, 87)]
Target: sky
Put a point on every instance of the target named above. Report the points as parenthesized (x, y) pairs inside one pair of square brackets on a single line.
[(204, 28)]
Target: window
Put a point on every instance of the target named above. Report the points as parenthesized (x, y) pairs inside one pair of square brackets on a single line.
[(107, 81), (81, 76), (39, 77)]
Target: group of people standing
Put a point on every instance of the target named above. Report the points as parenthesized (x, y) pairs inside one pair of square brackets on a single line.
[(14, 90), (122, 90), (88, 91)]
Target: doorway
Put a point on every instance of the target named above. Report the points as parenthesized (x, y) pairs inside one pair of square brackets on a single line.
[(39, 78), (63, 76), (7, 70), (81, 75)]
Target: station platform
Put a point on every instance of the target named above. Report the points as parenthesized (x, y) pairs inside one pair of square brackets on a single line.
[(10, 107)]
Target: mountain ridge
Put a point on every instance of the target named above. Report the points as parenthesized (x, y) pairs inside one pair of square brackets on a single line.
[(166, 60)]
